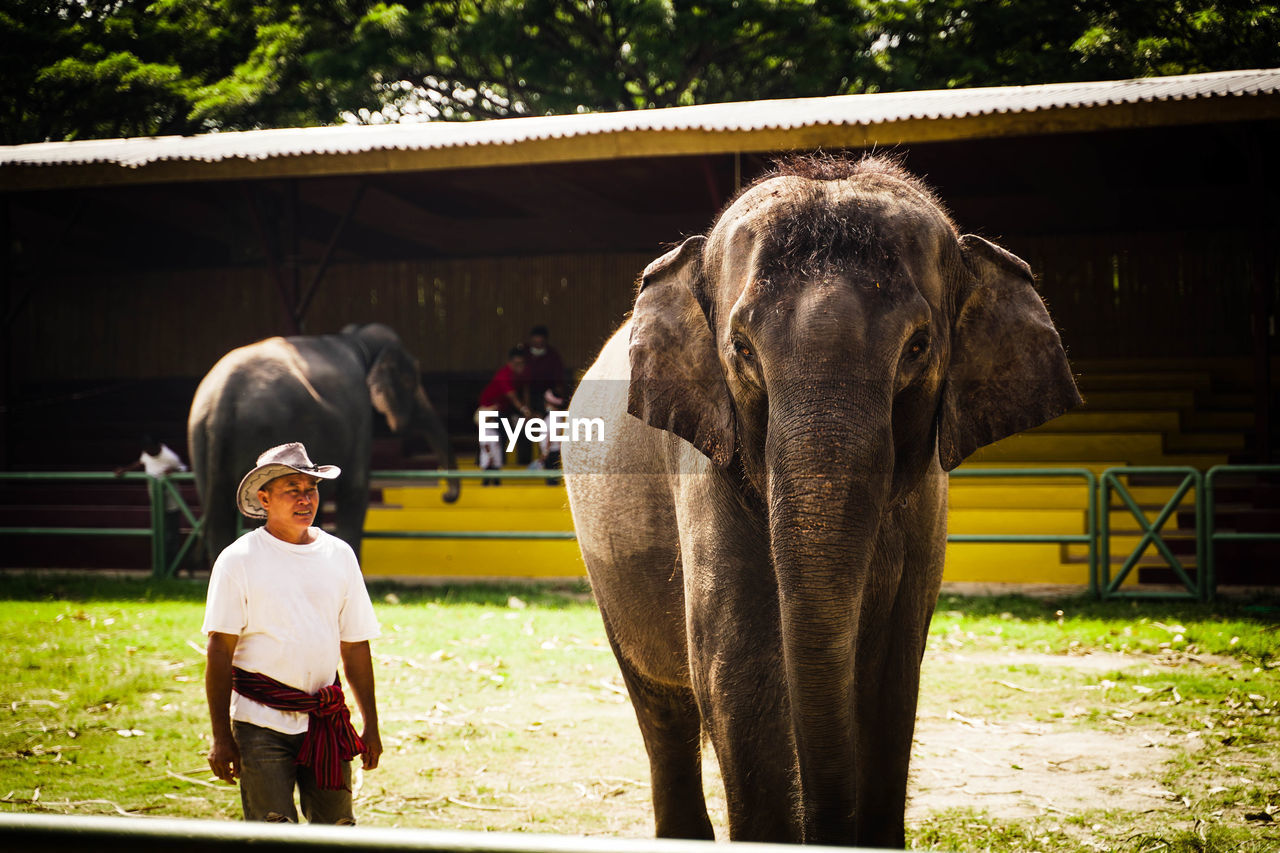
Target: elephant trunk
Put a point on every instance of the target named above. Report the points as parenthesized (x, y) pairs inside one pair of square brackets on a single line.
[(830, 472), (437, 436)]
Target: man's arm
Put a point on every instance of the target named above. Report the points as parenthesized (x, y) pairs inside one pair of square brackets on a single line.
[(224, 755), (135, 465), (357, 662), (519, 402)]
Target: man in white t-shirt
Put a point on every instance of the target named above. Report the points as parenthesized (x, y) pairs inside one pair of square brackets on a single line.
[(286, 604), (159, 461)]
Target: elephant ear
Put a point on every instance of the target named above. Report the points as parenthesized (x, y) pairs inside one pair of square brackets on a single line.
[(394, 387), (677, 383), (1008, 370)]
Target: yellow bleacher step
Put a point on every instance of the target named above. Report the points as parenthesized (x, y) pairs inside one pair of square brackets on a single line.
[(1139, 399), (1136, 448), (973, 562), (1242, 420), (1122, 545), (1199, 380), (1086, 420), (1097, 465), (1020, 493), (1011, 563), (1205, 442), (536, 495), (472, 518), (1019, 521), (1065, 446), (1036, 520), (471, 558)]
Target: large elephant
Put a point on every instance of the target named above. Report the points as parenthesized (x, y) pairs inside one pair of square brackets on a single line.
[(320, 390), (765, 520)]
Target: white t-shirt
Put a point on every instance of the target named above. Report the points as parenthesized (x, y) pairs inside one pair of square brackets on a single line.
[(291, 606), (162, 464)]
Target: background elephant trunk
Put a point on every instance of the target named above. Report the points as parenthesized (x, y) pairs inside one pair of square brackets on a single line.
[(429, 423), (829, 474)]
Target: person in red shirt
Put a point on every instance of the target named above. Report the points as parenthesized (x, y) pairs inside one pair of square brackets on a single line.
[(545, 373), (508, 394)]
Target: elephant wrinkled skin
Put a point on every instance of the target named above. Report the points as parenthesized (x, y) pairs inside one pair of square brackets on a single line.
[(321, 390), (765, 521)]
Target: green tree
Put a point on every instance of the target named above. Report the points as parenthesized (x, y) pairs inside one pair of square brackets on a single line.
[(100, 68), (464, 59), (931, 44)]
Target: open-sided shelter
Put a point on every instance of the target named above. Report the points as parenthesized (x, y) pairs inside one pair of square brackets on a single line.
[(1147, 209)]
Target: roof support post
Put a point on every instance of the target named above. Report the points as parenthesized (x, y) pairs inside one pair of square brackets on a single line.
[(288, 300), (338, 231), (713, 186), (1262, 288), (6, 339)]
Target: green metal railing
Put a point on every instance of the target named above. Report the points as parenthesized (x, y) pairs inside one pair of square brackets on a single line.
[(1113, 481), (1096, 535), (158, 489), (1211, 536), (1088, 537)]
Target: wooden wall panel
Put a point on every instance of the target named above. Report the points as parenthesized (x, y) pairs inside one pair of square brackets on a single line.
[(463, 315), (142, 325), (1125, 296), (455, 315), (1112, 296)]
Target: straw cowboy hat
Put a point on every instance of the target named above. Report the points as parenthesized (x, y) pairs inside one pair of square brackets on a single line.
[(277, 462)]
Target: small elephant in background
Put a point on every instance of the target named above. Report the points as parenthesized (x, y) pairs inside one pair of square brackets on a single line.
[(765, 521), (320, 390)]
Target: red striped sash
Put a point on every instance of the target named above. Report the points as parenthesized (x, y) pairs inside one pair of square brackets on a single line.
[(330, 738)]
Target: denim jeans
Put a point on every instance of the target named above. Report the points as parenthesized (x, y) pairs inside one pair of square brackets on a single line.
[(269, 774)]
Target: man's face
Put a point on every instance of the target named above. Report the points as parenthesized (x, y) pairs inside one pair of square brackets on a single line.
[(538, 343), (517, 364), (291, 502)]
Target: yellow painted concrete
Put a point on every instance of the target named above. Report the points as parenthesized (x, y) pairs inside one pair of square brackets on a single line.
[(471, 558), (523, 496), (1017, 563), (1144, 432)]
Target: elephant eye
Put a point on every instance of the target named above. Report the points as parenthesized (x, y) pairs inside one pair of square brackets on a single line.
[(744, 351), (919, 345)]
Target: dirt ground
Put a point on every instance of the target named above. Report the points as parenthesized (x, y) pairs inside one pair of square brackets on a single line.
[(1020, 770)]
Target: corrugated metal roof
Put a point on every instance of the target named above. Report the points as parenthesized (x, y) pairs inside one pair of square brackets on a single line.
[(731, 118)]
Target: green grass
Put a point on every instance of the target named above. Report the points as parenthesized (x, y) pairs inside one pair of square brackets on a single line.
[(1201, 681), (502, 709)]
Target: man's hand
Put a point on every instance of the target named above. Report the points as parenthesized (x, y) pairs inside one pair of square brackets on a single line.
[(372, 748), (357, 662), (224, 755), (224, 759)]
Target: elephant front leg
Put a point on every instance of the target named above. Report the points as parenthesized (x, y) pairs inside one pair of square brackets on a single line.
[(888, 668), (738, 676), (886, 711), (672, 731)]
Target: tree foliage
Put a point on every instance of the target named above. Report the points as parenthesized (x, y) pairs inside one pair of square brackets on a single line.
[(103, 68), (963, 43)]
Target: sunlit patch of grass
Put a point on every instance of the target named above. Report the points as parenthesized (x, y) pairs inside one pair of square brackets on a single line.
[(963, 830), (1246, 630), (502, 709)]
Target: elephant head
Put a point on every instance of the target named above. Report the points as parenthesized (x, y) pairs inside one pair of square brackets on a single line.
[(830, 345), (395, 388)]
